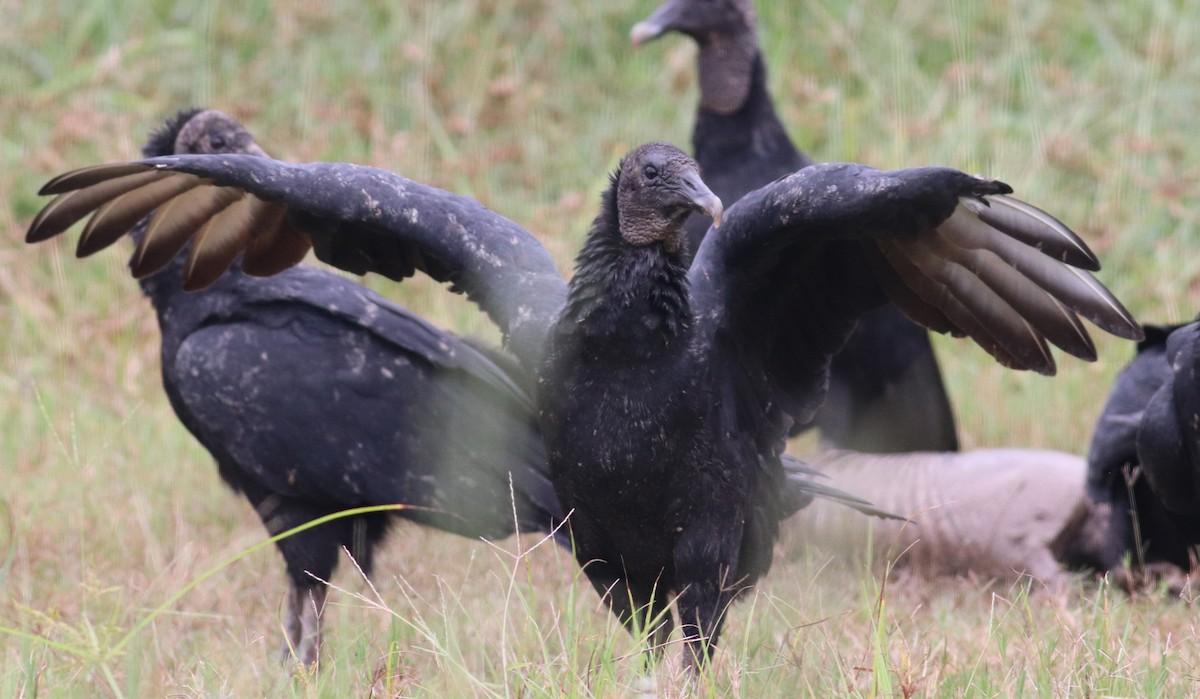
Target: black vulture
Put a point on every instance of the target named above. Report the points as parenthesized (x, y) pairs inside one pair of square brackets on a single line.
[(316, 395), (1144, 459), (665, 392), (885, 388)]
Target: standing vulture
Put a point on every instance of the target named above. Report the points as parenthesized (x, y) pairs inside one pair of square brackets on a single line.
[(665, 392), (1145, 454), (316, 395), (885, 388)]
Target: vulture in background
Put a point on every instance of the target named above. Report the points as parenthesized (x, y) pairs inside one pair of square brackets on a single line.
[(885, 388), (665, 392), (316, 395), (1145, 454)]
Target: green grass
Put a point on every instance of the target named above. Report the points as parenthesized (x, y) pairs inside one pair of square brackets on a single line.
[(1087, 109)]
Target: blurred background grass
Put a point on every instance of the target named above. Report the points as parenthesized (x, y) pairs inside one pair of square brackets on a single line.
[(1088, 109)]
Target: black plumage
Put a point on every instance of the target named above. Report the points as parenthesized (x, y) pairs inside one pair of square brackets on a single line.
[(316, 395), (1144, 460), (665, 392), (886, 392)]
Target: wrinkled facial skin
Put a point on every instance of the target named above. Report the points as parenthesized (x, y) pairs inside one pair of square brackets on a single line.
[(659, 187), (212, 132)]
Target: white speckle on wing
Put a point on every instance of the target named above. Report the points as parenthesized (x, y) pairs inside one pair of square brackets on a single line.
[(373, 203)]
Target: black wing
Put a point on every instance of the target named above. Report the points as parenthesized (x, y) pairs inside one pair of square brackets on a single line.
[(885, 390), (318, 292), (778, 287), (358, 218), (322, 391)]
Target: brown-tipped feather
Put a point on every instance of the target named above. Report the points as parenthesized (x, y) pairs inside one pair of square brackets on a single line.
[(1110, 314), (220, 241), (276, 247), (88, 176), (1050, 318), (173, 225), (67, 208), (993, 312), (1037, 228), (936, 294), (906, 299), (1075, 288), (114, 219)]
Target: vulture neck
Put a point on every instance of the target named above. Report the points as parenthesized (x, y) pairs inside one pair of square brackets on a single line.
[(728, 131), (631, 300)]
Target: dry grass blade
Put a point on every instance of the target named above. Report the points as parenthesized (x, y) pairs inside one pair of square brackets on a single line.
[(70, 206), (173, 225), (115, 218)]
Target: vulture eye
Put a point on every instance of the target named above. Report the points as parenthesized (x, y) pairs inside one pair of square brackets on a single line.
[(650, 172), (216, 141)]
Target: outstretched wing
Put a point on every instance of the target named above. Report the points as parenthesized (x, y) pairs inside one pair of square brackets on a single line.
[(358, 218), (778, 287)]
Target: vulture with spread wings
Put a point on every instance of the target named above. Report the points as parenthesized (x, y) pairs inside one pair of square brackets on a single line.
[(885, 387), (315, 395), (665, 392)]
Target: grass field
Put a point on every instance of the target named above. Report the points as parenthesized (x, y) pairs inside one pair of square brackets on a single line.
[(109, 509)]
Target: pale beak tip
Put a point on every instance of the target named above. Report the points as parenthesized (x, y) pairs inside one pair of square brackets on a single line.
[(716, 210), (643, 32)]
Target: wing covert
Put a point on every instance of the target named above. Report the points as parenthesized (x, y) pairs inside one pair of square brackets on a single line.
[(796, 262)]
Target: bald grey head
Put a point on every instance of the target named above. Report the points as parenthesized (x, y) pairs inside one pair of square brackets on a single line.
[(725, 31), (658, 187), (212, 131), (188, 132)]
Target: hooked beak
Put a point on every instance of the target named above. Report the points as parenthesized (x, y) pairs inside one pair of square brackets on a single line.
[(645, 31), (658, 23), (702, 198)]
